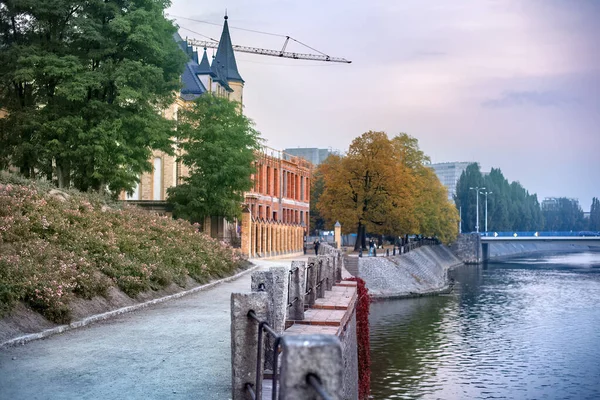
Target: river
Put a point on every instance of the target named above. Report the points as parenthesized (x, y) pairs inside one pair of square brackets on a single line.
[(527, 328)]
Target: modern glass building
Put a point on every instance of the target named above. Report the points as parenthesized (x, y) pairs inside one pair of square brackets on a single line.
[(313, 155), (448, 173)]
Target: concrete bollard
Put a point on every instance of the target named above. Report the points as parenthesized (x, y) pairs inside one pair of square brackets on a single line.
[(321, 276), (244, 340), (297, 290), (319, 355), (330, 272), (338, 267), (275, 283), (311, 281)]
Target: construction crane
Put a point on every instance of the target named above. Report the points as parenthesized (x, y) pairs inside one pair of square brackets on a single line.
[(267, 52)]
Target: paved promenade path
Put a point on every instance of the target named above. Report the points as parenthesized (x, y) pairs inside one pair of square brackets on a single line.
[(179, 349)]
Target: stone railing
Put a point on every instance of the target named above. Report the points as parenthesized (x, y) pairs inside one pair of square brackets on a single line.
[(267, 238), (295, 333)]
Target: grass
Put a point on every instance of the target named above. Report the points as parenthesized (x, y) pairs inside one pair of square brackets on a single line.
[(57, 245)]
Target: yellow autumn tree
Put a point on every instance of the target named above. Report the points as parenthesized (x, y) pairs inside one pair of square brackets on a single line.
[(382, 186)]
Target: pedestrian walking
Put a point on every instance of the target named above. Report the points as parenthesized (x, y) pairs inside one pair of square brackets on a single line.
[(316, 244)]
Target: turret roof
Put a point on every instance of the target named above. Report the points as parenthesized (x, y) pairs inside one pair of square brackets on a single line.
[(191, 87), (204, 67), (224, 64)]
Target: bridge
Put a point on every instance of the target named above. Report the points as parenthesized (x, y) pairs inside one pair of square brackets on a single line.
[(583, 238), (473, 248)]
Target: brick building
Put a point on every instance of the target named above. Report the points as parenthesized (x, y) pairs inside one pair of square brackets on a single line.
[(281, 188)]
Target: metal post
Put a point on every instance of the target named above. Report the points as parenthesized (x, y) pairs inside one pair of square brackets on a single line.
[(477, 188), (486, 213)]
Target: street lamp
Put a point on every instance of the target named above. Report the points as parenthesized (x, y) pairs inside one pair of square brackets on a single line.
[(477, 189), (486, 218)]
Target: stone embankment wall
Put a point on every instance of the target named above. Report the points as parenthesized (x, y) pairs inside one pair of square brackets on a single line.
[(419, 272), (467, 248)]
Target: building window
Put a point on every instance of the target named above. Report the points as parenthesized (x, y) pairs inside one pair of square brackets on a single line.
[(136, 193), (157, 182), (275, 182), (302, 188)]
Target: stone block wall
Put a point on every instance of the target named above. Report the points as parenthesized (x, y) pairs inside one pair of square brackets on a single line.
[(350, 356), (468, 248)]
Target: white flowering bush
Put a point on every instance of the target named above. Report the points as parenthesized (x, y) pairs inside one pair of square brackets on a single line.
[(53, 248)]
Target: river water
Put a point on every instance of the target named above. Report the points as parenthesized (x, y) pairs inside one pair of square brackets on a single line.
[(528, 328)]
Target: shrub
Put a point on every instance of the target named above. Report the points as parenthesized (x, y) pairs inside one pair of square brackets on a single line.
[(58, 245)]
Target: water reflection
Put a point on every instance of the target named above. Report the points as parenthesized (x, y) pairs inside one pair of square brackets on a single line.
[(528, 328)]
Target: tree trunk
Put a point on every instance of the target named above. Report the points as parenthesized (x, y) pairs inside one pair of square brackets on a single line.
[(63, 174), (360, 237), (359, 241)]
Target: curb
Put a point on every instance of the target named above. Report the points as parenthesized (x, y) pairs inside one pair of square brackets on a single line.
[(110, 314)]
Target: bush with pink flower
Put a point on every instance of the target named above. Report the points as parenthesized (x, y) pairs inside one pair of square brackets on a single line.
[(55, 247)]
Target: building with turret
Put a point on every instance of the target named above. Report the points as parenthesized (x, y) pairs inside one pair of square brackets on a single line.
[(281, 183)]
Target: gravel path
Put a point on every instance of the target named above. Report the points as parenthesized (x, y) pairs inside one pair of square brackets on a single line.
[(175, 350)]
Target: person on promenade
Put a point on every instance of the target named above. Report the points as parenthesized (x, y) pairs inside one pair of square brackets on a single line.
[(371, 247), (316, 245)]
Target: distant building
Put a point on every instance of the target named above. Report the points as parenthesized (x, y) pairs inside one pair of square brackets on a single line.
[(448, 173), (553, 203), (311, 154)]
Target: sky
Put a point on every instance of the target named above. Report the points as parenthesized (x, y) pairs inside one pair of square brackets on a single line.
[(511, 84)]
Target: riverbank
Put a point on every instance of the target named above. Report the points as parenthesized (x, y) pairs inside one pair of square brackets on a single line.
[(421, 272)]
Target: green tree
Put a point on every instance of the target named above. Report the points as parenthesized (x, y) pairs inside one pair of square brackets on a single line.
[(317, 185), (219, 145), (465, 197), (510, 206), (564, 215), (84, 84), (594, 224)]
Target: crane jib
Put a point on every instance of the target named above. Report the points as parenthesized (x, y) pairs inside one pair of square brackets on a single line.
[(267, 52)]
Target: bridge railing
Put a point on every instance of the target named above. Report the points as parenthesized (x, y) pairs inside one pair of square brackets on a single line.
[(540, 234), (405, 248)]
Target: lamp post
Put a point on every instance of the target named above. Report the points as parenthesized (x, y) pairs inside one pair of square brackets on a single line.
[(477, 189), (486, 218)]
